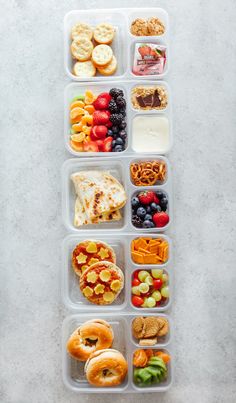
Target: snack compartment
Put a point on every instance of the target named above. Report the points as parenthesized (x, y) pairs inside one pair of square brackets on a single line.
[(93, 18), (145, 14), (143, 171), (73, 370), (162, 340), (71, 293), (146, 85)]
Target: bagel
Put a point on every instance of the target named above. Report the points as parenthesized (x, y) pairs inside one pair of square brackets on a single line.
[(91, 336), (90, 251), (106, 367), (102, 282)]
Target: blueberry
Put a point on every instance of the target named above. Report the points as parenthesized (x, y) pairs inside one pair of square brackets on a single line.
[(135, 202), (109, 132), (123, 124), (148, 224), (118, 148), (115, 129), (148, 209), (148, 217), (155, 207), (113, 143), (164, 203), (160, 194), (119, 141), (141, 212)]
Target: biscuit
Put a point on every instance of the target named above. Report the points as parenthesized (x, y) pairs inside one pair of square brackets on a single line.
[(163, 326), (102, 55), (81, 49), (84, 69), (148, 342), (139, 27), (155, 26), (110, 68), (104, 33), (138, 329), (151, 327), (82, 29)]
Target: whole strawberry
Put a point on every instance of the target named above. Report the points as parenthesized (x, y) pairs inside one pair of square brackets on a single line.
[(146, 197), (160, 219), (101, 117), (102, 101)]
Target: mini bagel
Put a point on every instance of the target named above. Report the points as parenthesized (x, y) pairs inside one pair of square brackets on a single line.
[(91, 336), (106, 367)]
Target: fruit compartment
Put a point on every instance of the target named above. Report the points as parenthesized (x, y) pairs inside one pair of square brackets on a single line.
[(71, 294), (118, 170), (159, 308), (73, 370), (75, 89), (123, 40)]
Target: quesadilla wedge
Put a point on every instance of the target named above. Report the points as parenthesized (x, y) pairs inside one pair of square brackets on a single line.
[(81, 218), (99, 192)]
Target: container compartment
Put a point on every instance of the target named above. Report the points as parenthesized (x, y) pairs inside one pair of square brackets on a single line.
[(146, 13), (158, 160), (162, 341)]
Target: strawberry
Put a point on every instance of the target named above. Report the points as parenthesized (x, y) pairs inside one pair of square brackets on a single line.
[(101, 117), (100, 131), (107, 145), (146, 197), (90, 146), (160, 219), (109, 124), (144, 50), (92, 135), (156, 199), (102, 101), (100, 144), (105, 95)]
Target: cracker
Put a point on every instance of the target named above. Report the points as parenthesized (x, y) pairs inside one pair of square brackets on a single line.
[(84, 69), (102, 55), (104, 33), (110, 68), (148, 342), (82, 29), (81, 49)]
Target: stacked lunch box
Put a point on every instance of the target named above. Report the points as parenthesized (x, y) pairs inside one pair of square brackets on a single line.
[(139, 238)]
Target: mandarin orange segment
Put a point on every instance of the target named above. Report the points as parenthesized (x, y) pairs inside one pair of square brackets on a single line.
[(76, 104), (86, 130), (76, 112), (90, 109), (76, 146), (77, 127), (76, 120), (89, 97), (78, 137)]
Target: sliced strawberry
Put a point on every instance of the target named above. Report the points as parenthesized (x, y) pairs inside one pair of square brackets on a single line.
[(109, 124), (156, 199), (100, 131), (100, 144), (107, 144), (90, 146), (101, 103), (93, 135), (100, 117)]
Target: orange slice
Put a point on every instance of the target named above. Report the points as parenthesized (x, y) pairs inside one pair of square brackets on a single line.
[(74, 113), (89, 97), (76, 146), (77, 127), (78, 137), (76, 104), (90, 109)]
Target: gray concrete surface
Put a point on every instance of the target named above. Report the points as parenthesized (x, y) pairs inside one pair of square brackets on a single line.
[(202, 78)]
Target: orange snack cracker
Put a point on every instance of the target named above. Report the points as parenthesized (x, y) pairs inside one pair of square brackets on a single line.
[(149, 250)]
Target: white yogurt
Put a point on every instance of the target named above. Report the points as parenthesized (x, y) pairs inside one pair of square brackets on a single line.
[(150, 133)]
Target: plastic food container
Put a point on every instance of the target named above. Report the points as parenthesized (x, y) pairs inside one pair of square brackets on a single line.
[(123, 43), (74, 89), (121, 243), (73, 371), (119, 168)]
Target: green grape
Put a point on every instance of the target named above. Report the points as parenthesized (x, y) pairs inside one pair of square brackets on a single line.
[(143, 288), (135, 290), (144, 305), (156, 295), (142, 275), (149, 280), (157, 273), (165, 278), (165, 292), (150, 302)]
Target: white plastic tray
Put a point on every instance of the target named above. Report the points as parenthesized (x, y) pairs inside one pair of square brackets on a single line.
[(73, 373), (75, 89), (119, 168), (121, 243), (123, 43)]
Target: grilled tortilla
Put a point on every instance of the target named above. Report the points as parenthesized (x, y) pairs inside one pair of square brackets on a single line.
[(81, 217), (100, 193)]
